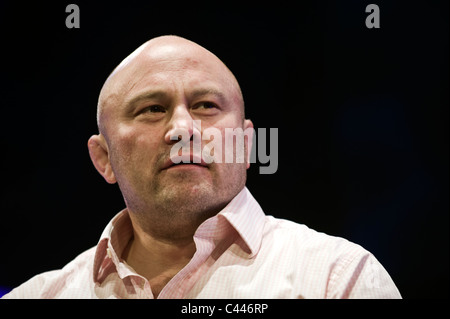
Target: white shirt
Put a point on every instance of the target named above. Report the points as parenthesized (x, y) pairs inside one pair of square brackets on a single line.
[(241, 253)]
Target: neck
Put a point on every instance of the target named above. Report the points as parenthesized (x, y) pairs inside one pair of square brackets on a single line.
[(157, 259)]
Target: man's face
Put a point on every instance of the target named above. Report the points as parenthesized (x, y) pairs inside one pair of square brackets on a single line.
[(160, 92)]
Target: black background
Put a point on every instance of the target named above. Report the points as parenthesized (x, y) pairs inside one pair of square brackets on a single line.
[(362, 116)]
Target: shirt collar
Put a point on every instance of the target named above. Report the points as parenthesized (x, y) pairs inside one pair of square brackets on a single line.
[(113, 241), (243, 213), (247, 218)]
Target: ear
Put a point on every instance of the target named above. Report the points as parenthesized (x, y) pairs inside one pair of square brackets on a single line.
[(248, 140), (99, 153)]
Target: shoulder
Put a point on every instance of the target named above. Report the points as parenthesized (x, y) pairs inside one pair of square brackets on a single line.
[(301, 237), (311, 250), (50, 284), (346, 269)]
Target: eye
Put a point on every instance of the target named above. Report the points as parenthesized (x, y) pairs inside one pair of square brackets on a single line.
[(205, 105), (155, 109)]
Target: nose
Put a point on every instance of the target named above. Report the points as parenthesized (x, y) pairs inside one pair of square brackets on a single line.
[(181, 126)]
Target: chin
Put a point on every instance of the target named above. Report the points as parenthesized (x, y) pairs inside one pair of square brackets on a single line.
[(194, 191), (186, 192)]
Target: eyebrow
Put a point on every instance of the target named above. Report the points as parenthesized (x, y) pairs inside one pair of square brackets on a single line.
[(197, 93), (159, 94), (145, 96)]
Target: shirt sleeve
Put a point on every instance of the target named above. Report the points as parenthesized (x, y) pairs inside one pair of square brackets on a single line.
[(363, 277)]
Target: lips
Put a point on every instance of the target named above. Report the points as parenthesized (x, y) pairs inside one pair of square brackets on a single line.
[(189, 159)]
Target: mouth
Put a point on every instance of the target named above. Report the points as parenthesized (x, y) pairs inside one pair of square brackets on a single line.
[(187, 162)]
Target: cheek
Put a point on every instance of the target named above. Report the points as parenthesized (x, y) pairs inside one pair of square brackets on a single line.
[(135, 145), (232, 170), (227, 135)]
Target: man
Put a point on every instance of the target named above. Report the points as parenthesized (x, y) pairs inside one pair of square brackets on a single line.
[(193, 230)]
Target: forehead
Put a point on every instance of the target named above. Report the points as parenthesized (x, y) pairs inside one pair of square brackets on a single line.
[(170, 68)]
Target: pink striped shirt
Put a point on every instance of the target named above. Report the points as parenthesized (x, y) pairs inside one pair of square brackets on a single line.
[(240, 253)]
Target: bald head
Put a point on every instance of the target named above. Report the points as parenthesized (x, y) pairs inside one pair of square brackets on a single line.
[(165, 55)]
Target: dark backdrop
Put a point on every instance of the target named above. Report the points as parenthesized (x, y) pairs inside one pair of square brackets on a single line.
[(362, 116)]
